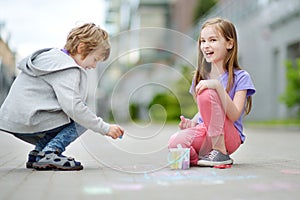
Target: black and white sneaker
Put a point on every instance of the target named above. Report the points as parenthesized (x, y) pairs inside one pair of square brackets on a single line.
[(215, 158)]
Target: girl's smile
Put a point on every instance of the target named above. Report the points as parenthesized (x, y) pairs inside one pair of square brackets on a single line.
[(208, 54)]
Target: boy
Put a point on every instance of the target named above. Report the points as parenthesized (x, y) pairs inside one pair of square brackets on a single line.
[(46, 103)]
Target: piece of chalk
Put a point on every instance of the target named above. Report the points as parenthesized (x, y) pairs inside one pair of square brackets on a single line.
[(222, 166), (121, 136)]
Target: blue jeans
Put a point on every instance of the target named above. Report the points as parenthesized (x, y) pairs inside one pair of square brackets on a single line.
[(56, 139)]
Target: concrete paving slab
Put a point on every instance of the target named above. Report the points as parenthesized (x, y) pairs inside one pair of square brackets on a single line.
[(267, 166)]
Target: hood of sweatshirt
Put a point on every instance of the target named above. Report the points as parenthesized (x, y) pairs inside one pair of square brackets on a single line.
[(45, 61)]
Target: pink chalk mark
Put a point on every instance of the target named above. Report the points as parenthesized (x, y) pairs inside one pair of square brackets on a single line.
[(290, 171)]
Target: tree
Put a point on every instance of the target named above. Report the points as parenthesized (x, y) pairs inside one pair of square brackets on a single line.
[(202, 7)]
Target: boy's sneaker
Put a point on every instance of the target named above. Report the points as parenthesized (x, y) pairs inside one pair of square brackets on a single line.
[(56, 161), (32, 158), (215, 158)]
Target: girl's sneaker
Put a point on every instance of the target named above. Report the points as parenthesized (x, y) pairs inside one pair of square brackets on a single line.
[(215, 158)]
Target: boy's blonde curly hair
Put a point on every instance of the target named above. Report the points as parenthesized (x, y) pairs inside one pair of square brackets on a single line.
[(93, 38)]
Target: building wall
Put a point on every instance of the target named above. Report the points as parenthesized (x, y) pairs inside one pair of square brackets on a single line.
[(7, 69), (7, 56), (150, 36), (182, 15)]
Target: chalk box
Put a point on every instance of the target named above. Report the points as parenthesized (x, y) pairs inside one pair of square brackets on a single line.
[(179, 158)]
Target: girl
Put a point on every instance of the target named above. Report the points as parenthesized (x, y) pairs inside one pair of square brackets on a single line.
[(223, 94), (46, 103)]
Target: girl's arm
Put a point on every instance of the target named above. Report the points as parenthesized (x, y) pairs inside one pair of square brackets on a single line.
[(233, 108)]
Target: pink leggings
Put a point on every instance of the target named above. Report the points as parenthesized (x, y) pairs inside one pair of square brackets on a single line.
[(215, 123)]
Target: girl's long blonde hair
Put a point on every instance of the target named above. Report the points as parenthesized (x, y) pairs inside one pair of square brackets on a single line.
[(227, 30)]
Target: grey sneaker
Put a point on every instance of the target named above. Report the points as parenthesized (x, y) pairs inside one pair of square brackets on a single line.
[(215, 158)]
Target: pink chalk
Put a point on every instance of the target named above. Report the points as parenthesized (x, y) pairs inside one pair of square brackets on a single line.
[(222, 166)]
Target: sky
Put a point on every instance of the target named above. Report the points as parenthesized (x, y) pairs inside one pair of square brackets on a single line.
[(33, 24)]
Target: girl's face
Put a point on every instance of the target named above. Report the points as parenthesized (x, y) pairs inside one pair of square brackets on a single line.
[(213, 45), (91, 60)]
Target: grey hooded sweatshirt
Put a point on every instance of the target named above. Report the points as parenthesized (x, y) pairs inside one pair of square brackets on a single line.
[(50, 91)]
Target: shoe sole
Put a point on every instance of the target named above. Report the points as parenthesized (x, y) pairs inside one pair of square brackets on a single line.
[(29, 165), (46, 167), (205, 163)]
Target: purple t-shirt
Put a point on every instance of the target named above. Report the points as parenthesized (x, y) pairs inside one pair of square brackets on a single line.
[(242, 81)]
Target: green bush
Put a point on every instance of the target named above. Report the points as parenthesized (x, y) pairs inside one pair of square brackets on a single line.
[(169, 102), (134, 111), (291, 97), (174, 106)]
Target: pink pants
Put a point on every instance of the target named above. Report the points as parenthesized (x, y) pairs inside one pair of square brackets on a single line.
[(215, 123)]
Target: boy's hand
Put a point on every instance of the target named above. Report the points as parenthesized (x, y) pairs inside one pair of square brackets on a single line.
[(186, 123), (115, 131)]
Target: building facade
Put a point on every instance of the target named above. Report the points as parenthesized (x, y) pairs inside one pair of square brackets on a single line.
[(7, 69), (146, 43)]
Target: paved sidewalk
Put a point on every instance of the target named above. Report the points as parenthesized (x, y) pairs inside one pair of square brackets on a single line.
[(267, 166)]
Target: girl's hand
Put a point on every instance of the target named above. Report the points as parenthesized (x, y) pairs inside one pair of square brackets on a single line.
[(186, 123), (207, 84), (115, 131)]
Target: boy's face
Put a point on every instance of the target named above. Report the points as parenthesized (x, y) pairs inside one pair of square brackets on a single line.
[(91, 60)]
